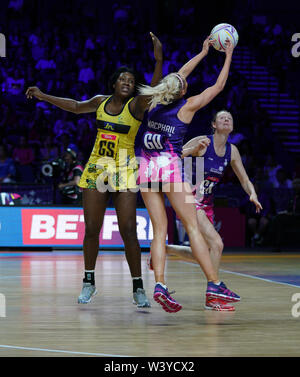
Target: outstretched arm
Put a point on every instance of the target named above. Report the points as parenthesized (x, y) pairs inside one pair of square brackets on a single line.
[(188, 68), (66, 104), (239, 170), (195, 103)]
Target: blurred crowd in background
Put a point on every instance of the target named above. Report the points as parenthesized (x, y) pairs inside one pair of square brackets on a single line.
[(68, 58)]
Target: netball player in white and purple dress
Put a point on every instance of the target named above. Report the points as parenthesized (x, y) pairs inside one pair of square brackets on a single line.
[(166, 125), (218, 155)]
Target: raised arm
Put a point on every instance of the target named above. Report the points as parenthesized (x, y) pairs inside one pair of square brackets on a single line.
[(141, 103), (67, 104), (188, 67), (195, 103), (239, 170), (158, 55)]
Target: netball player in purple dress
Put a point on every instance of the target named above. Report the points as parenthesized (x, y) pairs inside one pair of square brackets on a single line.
[(167, 122), (218, 155)]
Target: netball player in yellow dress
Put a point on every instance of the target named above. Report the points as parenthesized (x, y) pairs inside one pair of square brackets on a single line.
[(107, 173)]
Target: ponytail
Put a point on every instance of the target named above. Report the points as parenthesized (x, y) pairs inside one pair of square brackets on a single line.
[(165, 92)]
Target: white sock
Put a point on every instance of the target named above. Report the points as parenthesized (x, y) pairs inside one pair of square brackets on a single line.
[(163, 285)]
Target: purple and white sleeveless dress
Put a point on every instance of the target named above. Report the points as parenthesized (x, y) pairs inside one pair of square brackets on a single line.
[(214, 169), (162, 144)]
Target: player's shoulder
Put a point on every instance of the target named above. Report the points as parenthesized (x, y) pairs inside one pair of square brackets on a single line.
[(137, 108), (234, 152), (233, 147), (99, 98)]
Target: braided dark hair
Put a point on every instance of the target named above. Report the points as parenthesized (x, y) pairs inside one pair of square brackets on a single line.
[(114, 77)]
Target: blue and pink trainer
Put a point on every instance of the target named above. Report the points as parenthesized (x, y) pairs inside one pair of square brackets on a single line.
[(162, 296), (221, 291)]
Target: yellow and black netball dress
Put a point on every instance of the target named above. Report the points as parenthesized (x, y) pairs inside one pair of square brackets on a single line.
[(112, 163)]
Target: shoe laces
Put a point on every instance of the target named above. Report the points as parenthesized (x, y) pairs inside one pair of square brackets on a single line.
[(169, 292), (227, 291)]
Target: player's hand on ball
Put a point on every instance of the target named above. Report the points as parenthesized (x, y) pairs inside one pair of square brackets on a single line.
[(206, 44), (229, 47), (34, 91), (158, 53)]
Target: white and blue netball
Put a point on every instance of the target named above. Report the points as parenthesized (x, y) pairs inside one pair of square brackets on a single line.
[(220, 33)]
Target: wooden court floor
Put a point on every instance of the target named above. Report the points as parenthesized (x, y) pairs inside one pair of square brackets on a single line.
[(39, 314)]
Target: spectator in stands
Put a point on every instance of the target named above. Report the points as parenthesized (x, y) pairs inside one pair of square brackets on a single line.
[(8, 117), (23, 156), (15, 83), (48, 150), (295, 205), (85, 130), (186, 17), (15, 10), (7, 167), (37, 46), (286, 224), (86, 73), (258, 222), (282, 192), (281, 180), (262, 179), (246, 151), (46, 62), (237, 94), (122, 17), (236, 138), (68, 187), (271, 168)]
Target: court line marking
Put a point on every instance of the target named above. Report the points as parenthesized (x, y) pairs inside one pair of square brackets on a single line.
[(110, 355), (178, 272), (248, 276), (260, 278), (60, 351)]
